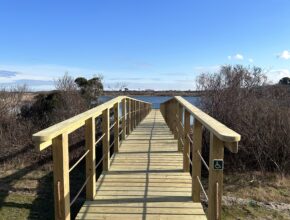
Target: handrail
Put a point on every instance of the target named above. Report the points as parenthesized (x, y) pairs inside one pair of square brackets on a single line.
[(133, 112), (177, 113), (43, 138), (220, 130)]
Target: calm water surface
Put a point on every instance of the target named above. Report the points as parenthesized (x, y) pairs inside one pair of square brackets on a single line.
[(155, 100)]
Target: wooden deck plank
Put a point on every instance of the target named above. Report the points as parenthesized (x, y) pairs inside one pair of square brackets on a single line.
[(145, 180)]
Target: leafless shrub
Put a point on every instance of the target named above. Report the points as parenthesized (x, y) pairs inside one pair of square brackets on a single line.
[(13, 132), (19, 120), (240, 98), (65, 83)]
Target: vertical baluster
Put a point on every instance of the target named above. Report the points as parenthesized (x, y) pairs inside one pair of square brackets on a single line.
[(90, 158), (129, 116), (116, 128), (186, 151), (61, 177), (171, 117), (139, 113), (132, 115), (106, 139), (215, 180), (124, 112), (174, 111), (196, 161), (135, 114), (179, 109)]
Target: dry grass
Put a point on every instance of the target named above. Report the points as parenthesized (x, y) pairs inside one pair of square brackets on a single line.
[(256, 187), (264, 188)]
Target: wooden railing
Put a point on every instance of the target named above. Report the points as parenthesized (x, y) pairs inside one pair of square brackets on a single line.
[(177, 113), (133, 112)]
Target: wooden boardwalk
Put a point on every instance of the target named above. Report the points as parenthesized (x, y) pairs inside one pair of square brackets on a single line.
[(146, 179)]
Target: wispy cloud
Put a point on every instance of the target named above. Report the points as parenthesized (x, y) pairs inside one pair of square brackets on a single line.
[(35, 82), (175, 74), (206, 69), (236, 57), (285, 55), (251, 60), (276, 74), (7, 73), (125, 78)]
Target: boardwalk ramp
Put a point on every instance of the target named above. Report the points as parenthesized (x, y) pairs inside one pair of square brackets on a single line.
[(146, 180)]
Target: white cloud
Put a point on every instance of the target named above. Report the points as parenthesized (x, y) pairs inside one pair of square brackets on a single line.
[(206, 69), (39, 77), (285, 55), (236, 57), (251, 60), (41, 72), (275, 75)]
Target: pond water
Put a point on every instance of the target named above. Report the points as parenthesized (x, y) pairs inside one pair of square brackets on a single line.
[(155, 100)]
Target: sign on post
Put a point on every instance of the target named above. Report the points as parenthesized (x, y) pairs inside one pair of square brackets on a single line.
[(218, 164)]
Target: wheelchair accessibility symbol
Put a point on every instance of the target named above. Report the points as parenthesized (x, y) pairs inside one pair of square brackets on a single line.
[(218, 164)]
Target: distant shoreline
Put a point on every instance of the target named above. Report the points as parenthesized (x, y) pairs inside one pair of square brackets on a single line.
[(153, 93)]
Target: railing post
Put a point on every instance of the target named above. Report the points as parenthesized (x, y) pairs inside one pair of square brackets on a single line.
[(139, 112), (132, 115), (166, 113), (116, 128), (174, 124), (215, 180), (106, 139), (142, 111), (129, 116), (90, 158), (135, 114), (61, 177), (124, 119), (170, 117), (186, 150), (179, 110), (196, 161)]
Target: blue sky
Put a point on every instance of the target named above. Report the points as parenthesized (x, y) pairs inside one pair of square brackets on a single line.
[(156, 44)]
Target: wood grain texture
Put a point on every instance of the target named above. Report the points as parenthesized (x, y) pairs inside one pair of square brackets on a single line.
[(215, 176), (61, 177), (90, 158), (43, 137), (220, 130), (145, 180), (106, 139)]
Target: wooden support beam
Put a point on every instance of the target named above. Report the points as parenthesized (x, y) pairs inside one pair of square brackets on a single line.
[(174, 124), (61, 177), (215, 180), (179, 109), (139, 113), (90, 158), (106, 139), (135, 114), (196, 161), (129, 116), (124, 112), (186, 151), (116, 128)]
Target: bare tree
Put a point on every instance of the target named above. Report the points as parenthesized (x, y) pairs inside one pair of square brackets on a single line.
[(240, 98), (65, 83)]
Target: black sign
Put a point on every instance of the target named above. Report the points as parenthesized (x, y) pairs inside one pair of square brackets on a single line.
[(218, 164)]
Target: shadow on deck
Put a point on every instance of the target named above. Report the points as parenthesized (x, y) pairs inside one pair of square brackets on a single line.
[(146, 179)]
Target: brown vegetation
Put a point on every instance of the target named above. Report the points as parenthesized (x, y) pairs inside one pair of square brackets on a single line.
[(21, 116), (239, 97)]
